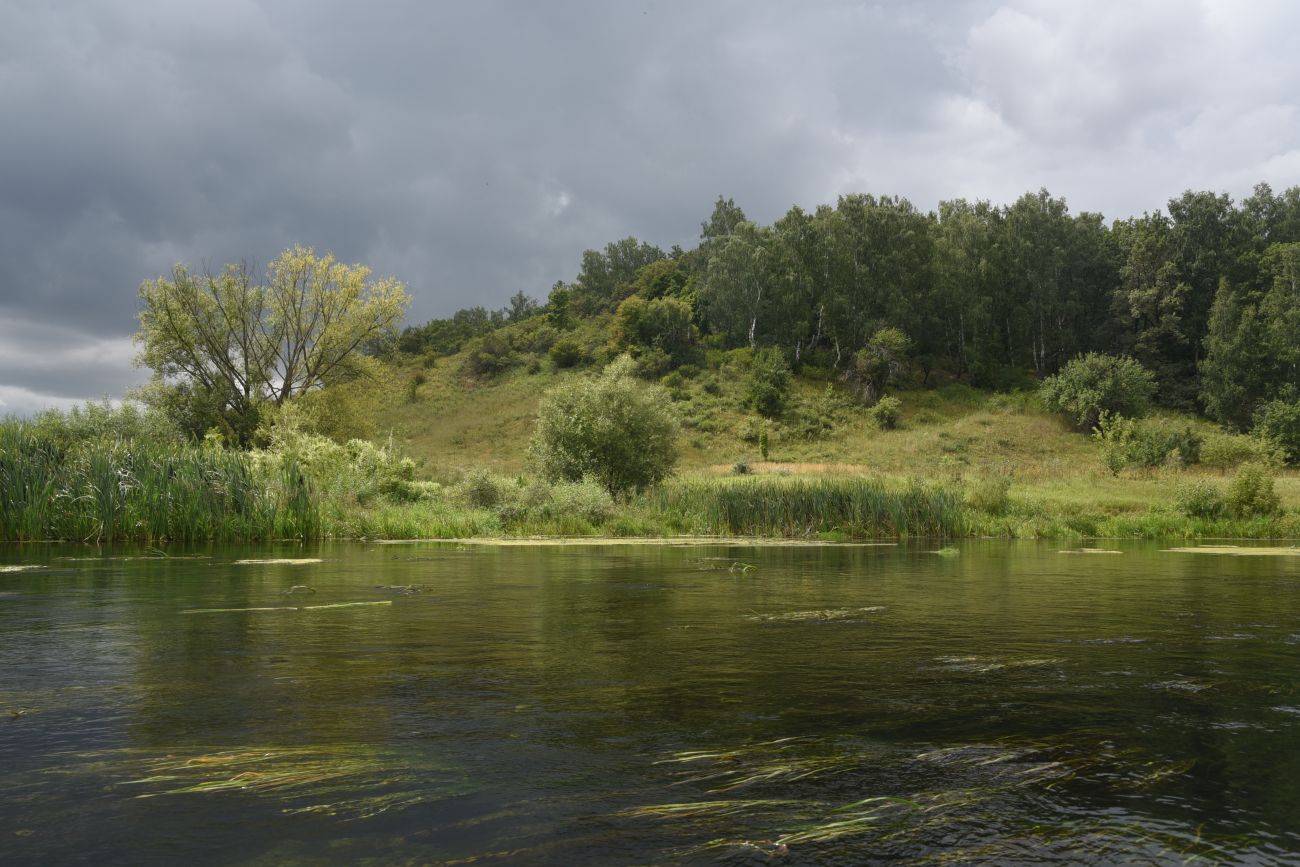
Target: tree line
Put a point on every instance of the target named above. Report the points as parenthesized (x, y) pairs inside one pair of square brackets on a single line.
[(1205, 294)]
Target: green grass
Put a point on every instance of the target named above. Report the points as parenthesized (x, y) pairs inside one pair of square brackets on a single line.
[(143, 491)]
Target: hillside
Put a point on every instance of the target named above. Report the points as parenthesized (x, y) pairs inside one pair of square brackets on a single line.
[(952, 432)]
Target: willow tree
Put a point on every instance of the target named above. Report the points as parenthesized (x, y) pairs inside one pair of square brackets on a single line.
[(230, 344)]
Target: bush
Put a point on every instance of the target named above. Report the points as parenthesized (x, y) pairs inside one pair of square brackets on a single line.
[(1251, 494), (489, 355), (769, 382), (566, 352), (612, 428), (1199, 499), (653, 363), (885, 413), (1224, 451), (483, 490), (1278, 421), (1128, 443), (1094, 383), (990, 494), (586, 498)]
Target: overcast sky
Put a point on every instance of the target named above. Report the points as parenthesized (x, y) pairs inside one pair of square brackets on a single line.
[(473, 149)]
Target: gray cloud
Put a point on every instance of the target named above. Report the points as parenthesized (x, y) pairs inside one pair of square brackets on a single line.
[(476, 148)]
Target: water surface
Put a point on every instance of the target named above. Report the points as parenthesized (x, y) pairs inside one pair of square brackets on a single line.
[(649, 704)]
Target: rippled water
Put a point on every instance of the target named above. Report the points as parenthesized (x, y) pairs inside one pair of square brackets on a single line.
[(649, 704)]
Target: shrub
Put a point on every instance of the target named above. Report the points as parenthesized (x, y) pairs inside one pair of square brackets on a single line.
[(990, 494), (482, 489), (566, 352), (1095, 383), (611, 427), (1128, 443), (741, 467), (662, 323), (885, 413), (1279, 422), (413, 386), (1224, 451), (769, 382), (586, 498), (1250, 493), (653, 363), (489, 355), (1199, 499)]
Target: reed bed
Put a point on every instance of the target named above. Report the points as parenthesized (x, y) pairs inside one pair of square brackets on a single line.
[(144, 491), (817, 507)]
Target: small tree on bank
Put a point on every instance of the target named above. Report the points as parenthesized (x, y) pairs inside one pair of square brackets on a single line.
[(224, 345), (1096, 383), (612, 427)]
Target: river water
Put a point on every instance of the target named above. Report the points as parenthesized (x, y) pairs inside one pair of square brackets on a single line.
[(649, 704)]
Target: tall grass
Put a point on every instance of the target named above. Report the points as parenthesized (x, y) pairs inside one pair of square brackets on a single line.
[(144, 490), (854, 507)]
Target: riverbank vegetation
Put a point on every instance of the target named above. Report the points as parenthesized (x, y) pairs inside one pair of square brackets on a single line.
[(862, 370)]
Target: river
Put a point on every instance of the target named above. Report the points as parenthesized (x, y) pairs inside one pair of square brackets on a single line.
[(437, 703)]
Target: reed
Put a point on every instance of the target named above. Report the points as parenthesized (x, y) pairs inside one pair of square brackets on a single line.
[(853, 506), (109, 490)]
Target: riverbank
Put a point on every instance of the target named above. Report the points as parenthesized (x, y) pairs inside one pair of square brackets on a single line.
[(839, 508)]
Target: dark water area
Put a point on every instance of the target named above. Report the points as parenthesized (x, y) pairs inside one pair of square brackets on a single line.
[(649, 705)]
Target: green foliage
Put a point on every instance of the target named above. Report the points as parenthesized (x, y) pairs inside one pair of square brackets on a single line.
[(881, 363), (1095, 383), (1125, 442), (659, 323), (227, 344), (856, 507), (356, 472), (990, 494), (884, 414), (489, 355), (104, 488), (768, 387), (1278, 421), (1224, 451), (1237, 368), (1251, 494), (1199, 498), (612, 428), (566, 352)]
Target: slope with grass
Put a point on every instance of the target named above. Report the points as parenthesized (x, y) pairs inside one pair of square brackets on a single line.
[(1018, 470)]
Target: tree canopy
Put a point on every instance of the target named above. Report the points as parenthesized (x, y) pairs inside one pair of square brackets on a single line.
[(223, 344)]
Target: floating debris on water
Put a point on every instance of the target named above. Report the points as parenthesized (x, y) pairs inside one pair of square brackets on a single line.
[(948, 551), (1237, 551), (24, 568), (285, 607), (282, 561), (298, 588), (1182, 685), (823, 615), (981, 664), (1089, 551)]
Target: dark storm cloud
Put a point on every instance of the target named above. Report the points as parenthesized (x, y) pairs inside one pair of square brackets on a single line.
[(474, 149)]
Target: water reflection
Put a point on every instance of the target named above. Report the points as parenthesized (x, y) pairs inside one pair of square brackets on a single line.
[(649, 704)]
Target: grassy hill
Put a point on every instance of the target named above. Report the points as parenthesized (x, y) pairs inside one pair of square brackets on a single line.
[(450, 422)]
